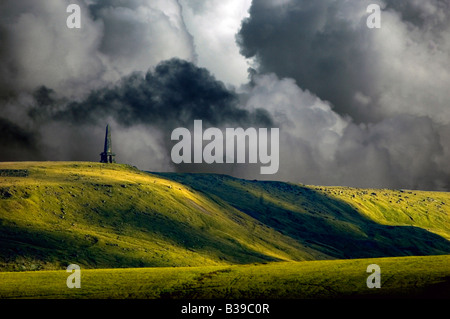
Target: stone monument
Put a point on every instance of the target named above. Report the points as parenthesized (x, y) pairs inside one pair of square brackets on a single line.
[(108, 156)]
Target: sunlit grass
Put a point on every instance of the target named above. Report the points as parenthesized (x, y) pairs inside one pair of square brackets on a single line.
[(211, 236), (117, 216), (400, 277)]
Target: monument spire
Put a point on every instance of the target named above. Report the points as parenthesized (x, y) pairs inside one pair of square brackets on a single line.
[(107, 156)]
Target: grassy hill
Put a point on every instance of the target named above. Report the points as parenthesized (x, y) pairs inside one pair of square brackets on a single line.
[(109, 216), (106, 216), (341, 222)]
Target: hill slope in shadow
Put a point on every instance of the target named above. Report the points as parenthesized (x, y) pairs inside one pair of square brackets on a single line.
[(114, 216), (341, 222), (105, 216)]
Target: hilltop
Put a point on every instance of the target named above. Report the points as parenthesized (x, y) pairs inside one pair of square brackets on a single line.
[(116, 216), (112, 215)]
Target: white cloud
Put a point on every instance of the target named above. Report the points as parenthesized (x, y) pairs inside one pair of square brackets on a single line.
[(319, 146), (411, 69), (140, 34), (38, 48), (214, 24)]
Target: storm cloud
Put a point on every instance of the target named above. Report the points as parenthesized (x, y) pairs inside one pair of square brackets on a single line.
[(176, 93), (173, 94), (355, 106), (388, 86), (116, 38), (319, 146), (369, 74), (17, 143)]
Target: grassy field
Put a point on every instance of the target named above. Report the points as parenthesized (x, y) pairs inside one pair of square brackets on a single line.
[(107, 216), (137, 234), (404, 277)]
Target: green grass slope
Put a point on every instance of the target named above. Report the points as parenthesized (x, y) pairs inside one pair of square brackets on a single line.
[(110, 215), (105, 216), (401, 277), (341, 222)]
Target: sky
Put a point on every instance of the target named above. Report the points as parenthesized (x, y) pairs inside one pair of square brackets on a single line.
[(356, 106)]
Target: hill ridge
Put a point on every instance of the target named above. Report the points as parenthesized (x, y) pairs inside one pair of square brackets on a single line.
[(114, 215)]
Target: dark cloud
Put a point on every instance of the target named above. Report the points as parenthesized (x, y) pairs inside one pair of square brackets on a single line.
[(17, 144), (387, 87), (355, 106), (174, 94), (368, 74), (400, 152), (320, 147), (312, 42)]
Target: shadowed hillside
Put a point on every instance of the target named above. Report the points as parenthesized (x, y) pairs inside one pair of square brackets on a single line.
[(115, 216), (105, 216), (342, 222)]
